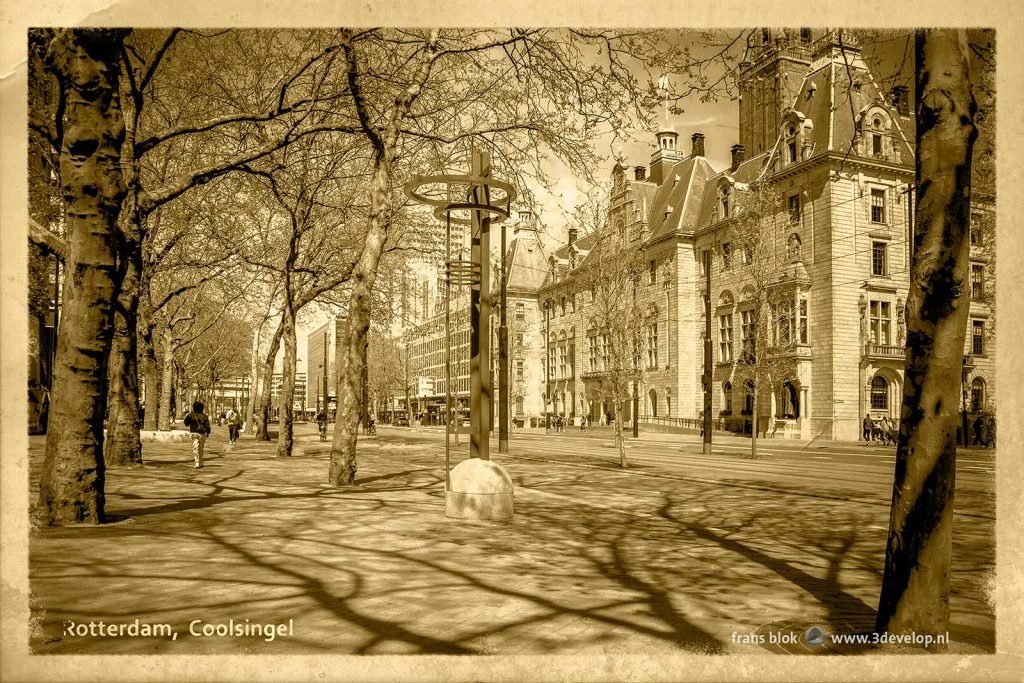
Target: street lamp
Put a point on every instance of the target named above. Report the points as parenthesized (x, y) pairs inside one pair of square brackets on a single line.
[(547, 364)]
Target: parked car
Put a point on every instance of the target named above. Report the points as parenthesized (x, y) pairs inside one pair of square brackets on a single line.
[(402, 421)]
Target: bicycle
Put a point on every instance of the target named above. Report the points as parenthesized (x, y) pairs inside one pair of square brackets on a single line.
[(372, 429)]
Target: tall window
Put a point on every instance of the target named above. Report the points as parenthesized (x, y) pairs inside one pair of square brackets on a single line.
[(879, 393), (562, 358), (561, 306), (977, 236), (881, 322), (794, 209), (520, 405), (802, 321), (652, 345), (604, 350), (592, 352), (977, 281), (727, 398), (520, 370), (877, 206), (805, 35), (876, 144), (978, 337), (878, 261), (725, 338), (726, 256), (747, 334), (551, 359), (792, 151), (977, 395), (520, 311), (653, 272), (783, 314), (724, 201), (748, 398)]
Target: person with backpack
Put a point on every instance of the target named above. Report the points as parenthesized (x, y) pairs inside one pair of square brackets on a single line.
[(233, 420), (198, 430)]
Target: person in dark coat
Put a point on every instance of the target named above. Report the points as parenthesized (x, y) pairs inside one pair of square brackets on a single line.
[(198, 430), (979, 431)]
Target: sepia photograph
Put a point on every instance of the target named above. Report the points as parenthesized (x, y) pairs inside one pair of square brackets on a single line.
[(596, 343)]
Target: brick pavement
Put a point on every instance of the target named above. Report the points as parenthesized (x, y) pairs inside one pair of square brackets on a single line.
[(595, 561)]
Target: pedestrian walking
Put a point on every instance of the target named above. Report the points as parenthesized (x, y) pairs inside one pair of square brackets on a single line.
[(234, 421), (198, 430), (869, 428), (889, 430), (990, 432), (979, 431), (321, 425)]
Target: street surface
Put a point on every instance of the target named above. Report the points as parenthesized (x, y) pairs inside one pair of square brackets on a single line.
[(680, 552)]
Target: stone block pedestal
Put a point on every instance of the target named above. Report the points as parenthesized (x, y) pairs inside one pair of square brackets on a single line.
[(480, 489)]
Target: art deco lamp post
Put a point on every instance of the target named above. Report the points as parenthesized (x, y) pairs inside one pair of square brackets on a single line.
[(476, 488)]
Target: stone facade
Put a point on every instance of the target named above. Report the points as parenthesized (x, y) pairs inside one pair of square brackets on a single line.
[(837, 154)]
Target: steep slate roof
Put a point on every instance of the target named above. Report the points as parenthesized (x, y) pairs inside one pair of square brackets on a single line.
[(749, 171), (683, 196), (528, 265)]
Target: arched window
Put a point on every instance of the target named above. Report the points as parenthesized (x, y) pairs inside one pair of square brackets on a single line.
[(879, 393), (653, 398), (748, 398), (793, 247), (727, 398), (725, 200), (977, 395), (668, 401)]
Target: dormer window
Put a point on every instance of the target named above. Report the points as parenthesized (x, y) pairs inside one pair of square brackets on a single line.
[(724, 200), (805, 35)]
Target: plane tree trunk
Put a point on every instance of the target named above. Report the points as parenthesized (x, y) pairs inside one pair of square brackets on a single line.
[(915, 584), (72, 479), (284, 432)]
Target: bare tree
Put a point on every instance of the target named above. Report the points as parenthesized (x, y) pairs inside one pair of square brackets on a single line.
[(418, 95), (770, 321), (611, 274)]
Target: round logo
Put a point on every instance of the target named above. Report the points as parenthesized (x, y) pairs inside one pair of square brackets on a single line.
[(814, 636)]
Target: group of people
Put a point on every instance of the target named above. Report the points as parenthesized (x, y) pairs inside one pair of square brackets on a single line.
[(882, 431), (886, 431), (558, 423)]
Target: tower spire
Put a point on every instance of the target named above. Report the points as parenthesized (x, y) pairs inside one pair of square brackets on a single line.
[(663, 87)]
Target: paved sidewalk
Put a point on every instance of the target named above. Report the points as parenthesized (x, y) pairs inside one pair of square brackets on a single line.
[(596, 560)]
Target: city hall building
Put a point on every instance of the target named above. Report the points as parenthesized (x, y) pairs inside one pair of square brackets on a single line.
[(816, 127), (836, 149)]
